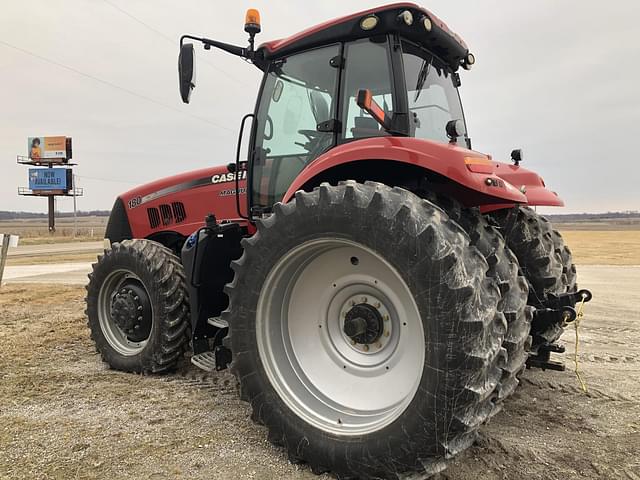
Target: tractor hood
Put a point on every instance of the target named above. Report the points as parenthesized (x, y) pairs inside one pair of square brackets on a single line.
[(177, 204), (157, 189)]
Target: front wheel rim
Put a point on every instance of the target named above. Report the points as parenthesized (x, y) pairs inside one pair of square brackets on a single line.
[(123, 343), (328, 378)]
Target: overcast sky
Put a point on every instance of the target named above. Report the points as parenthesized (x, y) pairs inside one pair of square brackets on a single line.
[(559, 79)]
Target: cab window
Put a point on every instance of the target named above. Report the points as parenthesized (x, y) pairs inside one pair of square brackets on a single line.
[(432, 96), (296, 105), (367, 67)]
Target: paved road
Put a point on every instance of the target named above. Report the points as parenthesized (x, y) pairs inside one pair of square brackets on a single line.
[(70, 273), (55, 249)]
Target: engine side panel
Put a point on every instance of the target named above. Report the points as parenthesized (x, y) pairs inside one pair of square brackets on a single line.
[(180, 203)]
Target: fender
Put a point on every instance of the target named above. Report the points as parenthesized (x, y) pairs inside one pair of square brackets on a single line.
[(469, 169), (533, 185)]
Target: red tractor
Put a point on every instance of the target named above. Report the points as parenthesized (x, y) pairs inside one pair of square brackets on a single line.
[(375, 285)]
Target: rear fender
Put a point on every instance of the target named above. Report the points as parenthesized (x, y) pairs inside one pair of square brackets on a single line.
[(447, 161), (530, 182)]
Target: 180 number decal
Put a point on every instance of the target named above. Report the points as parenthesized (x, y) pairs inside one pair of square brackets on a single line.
[(135, 202)]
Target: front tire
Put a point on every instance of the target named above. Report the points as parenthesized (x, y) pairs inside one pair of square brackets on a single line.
[(399, 400), (137, 307)]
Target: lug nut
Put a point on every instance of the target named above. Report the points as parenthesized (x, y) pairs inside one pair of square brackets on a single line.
[(353, 342), (364, 299), (386, 334), (366, 348), (136, 298), (379, 345), (140, 318), (377, 305), (386, 318), (139, 308)]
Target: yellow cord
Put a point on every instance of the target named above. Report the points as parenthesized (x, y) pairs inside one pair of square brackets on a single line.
[(576, 324)]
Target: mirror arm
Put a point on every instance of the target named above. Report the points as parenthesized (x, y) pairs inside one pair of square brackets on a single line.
[(232, 49)]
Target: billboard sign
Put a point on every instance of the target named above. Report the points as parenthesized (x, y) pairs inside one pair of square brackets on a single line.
[(54, 149), (50, 180)]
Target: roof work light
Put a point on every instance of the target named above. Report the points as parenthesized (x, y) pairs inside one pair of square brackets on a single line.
[(407, 17), (369, 22)]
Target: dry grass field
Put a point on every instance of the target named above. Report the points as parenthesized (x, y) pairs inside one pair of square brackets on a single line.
[(604, 247), (65, 415), (35, 231)]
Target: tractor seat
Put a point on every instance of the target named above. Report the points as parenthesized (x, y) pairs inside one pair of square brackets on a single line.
[(319, 107), (366, 127)]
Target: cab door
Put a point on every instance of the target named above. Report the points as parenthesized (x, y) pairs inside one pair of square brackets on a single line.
[(295, 122)]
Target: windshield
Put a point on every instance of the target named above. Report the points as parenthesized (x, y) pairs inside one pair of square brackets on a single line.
[(432, 95)]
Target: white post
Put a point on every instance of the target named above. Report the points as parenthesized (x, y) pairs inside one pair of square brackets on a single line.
[(3, 253)]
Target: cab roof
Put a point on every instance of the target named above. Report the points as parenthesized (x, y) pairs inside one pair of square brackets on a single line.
[(440, 40)]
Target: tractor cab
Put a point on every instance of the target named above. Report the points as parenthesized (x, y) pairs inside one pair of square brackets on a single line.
[(315, 100), (386, 72)]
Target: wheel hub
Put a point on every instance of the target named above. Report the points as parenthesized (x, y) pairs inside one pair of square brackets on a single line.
[(363, 324), (131, 311)]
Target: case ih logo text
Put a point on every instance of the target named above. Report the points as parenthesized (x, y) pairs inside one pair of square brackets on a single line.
[(228, 177)]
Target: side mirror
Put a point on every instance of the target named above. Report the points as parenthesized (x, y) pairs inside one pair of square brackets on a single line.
[(455, 129), (365, 100), (187, 71)]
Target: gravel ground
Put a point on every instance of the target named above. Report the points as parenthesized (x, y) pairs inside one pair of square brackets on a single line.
[(64, 414)]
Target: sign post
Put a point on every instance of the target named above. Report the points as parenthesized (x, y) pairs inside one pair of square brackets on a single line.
[(7, 241), (50, 181)]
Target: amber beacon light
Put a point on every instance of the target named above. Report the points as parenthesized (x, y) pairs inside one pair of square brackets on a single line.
[(252, 21)]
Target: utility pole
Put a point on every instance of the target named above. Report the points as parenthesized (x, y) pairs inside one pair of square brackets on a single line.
[(75, 206)]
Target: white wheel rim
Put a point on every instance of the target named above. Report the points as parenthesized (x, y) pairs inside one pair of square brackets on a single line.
[(316, 369), (116, 338)]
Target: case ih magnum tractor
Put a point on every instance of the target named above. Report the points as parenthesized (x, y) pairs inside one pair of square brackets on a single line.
[(375, 285)]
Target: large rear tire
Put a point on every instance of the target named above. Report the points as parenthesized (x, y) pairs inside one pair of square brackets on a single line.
[(544, 259), (137, 307), (504, 267), (408, 390)]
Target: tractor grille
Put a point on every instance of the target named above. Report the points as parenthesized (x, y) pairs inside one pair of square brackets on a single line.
[(179, 212), (154, 217), (166, 214)]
